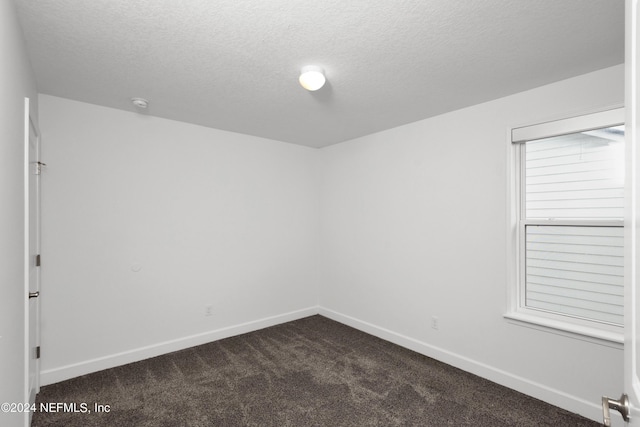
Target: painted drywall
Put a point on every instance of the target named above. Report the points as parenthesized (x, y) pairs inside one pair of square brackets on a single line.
[(415, 224), (16, 83), (148, 221)]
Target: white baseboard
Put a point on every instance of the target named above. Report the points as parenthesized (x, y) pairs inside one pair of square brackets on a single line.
[(52, 376), (539, 391)]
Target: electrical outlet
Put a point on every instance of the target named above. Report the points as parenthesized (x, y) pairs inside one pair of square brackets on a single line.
[(434, 323), (208, 310)]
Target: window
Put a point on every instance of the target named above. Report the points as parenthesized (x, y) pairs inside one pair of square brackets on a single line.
[(569, 204)]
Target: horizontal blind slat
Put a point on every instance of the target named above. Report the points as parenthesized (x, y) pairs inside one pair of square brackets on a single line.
[(575, 249), (571, 239), (575, 275), (616, 319), (587, 203), (576, 230), (605, 184), (567, 154), (574, 176), (575, 194), (583, 258), (603, 302), (575, 266), (602, 288)]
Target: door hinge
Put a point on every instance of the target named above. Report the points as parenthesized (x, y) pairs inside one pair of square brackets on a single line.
[(38, 352), (39, 166), (38, 259)]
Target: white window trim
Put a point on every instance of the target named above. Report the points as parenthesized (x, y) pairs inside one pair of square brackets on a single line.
[(516, 312)]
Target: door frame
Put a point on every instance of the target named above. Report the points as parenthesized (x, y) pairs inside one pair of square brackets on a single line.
[(30, 168)]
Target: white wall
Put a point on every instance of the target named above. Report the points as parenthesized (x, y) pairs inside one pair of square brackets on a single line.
[(210, 217), (408, 224), (16, 83), (414, 225)]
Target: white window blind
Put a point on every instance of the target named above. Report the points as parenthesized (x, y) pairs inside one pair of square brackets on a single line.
[(571, 217), (576, 271), (580, 175)]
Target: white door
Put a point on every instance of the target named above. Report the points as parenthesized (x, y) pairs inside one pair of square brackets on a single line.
[(33, 169), (632, 219)]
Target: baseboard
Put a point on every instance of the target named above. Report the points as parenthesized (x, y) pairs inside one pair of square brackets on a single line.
[(52, 376), (539, 391), (523, 385)]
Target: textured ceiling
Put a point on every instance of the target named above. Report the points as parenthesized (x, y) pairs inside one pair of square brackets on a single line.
[(234, 64)]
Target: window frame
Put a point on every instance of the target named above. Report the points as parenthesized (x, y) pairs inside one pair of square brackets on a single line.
[(517, 311)]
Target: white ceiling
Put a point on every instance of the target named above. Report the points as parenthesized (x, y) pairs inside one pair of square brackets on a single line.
[(234, 64)]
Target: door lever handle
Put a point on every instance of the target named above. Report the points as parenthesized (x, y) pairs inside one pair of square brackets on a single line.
[(34, 294), (621, 405)]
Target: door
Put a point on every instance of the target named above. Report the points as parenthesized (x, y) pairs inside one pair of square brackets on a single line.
[(33, 168), (632, 219)]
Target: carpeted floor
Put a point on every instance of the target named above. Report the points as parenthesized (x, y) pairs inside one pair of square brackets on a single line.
[(310, 372)]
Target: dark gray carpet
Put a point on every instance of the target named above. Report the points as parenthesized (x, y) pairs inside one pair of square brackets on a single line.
[(310, 372)]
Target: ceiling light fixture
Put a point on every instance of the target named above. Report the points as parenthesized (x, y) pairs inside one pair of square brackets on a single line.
[(312, 77), (140, 102)]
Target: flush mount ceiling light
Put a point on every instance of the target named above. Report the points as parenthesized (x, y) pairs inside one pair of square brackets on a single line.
[(140, 102), (312, 77)]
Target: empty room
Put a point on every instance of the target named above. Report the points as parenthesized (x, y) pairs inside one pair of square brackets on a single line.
[(289, 213)]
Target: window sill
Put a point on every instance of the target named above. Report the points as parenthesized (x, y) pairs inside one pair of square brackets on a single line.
[(584, 333)]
